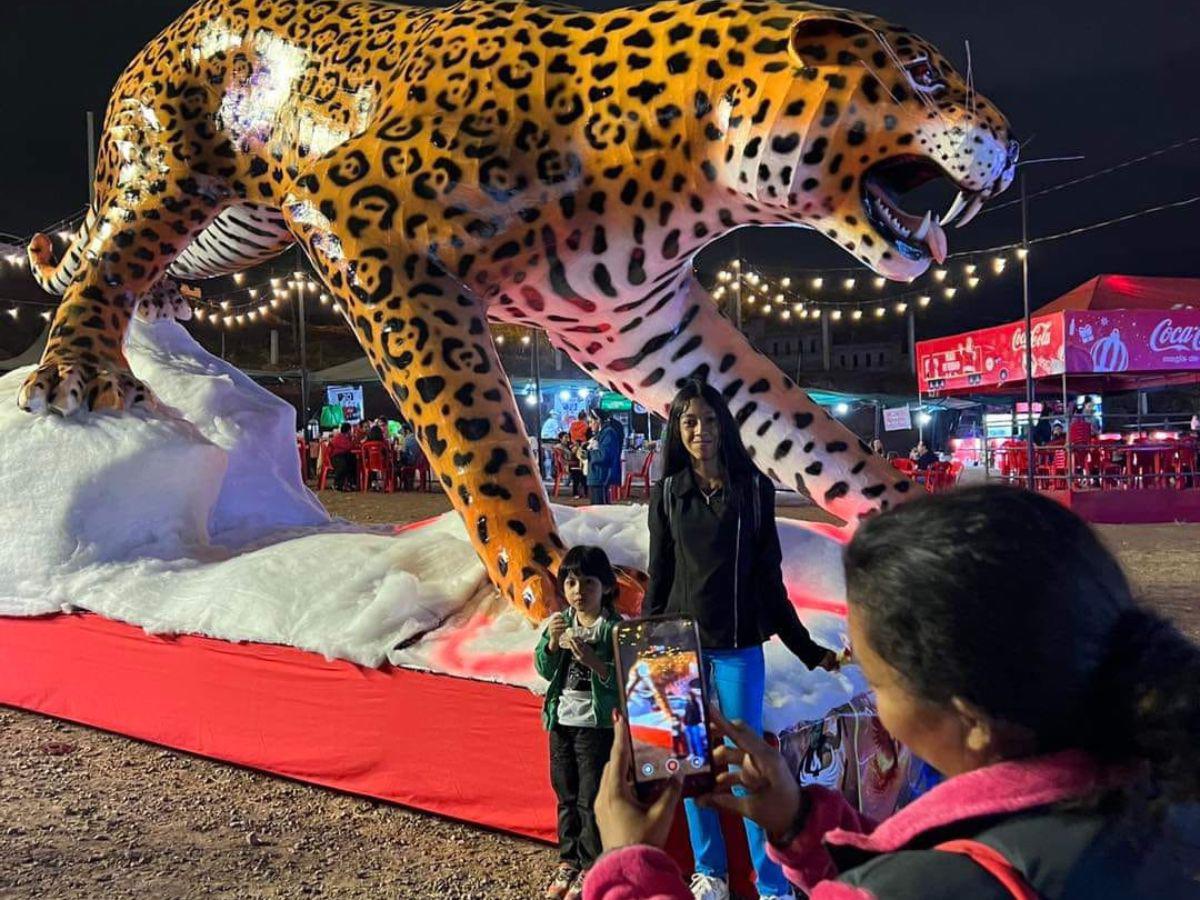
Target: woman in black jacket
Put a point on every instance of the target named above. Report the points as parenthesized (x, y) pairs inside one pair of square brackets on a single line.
[(715, 556)]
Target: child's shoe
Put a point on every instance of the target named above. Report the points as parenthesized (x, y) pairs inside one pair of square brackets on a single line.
[(565, 877), (576, 890)]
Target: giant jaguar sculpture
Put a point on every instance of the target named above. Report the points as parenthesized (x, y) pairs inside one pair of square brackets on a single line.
[(529, 164)]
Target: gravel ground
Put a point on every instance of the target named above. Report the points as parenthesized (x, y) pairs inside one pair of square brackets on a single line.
[(86, 814)]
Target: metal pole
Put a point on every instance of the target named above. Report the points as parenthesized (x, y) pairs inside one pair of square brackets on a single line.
[(222, 342), (303, 361), (1028, 337), (912, 340), (737, 285), (826, 342), (537, 386), (1067, 417), (91, 156)]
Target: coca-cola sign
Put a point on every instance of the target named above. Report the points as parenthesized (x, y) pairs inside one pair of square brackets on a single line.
[(1042, 336), (1167, 336)]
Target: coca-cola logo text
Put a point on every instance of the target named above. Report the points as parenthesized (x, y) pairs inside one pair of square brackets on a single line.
[(1041, 336), (1182, 338)]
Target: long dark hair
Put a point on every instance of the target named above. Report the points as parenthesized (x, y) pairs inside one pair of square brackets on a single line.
[(1009, 600), (587, 560), (734, 459)]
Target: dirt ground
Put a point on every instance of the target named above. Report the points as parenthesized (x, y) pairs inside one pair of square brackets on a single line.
[(86, 814)]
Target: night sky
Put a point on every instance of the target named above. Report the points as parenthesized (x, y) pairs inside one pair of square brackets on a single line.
[(1104, 79)]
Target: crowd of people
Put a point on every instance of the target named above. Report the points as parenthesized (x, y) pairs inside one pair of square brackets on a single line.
[(1003, 647), (591, 451), (402, 448)]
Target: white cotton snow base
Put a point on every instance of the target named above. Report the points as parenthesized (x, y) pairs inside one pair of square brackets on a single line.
[(194, 519)]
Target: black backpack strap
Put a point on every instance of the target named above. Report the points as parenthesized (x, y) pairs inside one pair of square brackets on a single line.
[(666, 499)]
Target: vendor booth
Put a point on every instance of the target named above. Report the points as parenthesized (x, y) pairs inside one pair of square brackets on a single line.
[(1113, 333)]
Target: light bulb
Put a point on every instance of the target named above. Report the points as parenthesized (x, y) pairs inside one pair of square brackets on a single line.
[(879, 311), (924, 299), (939, 275), (880, 282), (848, 284), (950, 292), (857, 314), (818, 282), (786, 282), (836, 315)]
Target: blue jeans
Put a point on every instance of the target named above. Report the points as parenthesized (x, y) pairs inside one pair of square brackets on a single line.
[(736, 679)]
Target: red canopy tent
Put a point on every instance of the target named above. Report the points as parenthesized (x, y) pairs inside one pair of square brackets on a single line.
[(1112, 333)]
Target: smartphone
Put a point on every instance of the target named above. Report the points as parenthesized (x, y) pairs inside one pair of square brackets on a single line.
[(665, 703)]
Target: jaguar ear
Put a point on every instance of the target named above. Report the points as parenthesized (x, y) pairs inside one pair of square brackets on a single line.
[(813, 33)]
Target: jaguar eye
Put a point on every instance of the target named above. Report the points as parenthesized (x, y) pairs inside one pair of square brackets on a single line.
[(924, 76)]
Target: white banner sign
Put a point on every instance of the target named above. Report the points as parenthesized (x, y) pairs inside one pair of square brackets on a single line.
[(897, 419)]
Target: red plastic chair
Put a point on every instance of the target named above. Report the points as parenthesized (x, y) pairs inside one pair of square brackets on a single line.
[(642, 475), (324, 464), (1183, 466), (956, 470), (907, 466), (937, 477), (376, 460)]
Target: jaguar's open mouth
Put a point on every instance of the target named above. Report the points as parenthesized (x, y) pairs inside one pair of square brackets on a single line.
[(915, 237)]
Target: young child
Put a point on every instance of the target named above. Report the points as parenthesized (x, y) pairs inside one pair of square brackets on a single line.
[(575, 655)]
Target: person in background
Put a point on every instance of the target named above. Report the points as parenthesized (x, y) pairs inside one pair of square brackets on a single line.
[(715, 557), (575, 654), (377, 431), (1043, 430), (877, 447), (341, 456), (616, 464), (575, 453), (579, 428), (922, 456), (1083, 427), (1004, 648), (1058, 434), (604, 452)]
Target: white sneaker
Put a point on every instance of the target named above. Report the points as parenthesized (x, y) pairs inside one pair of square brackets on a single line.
[(709, 887), (787, 896)]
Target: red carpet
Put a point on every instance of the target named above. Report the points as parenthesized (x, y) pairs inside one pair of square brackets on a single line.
[(466, 749), (469, 750)]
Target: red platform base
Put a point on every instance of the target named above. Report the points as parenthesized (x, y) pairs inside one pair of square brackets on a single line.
[(1144, 506), (469, 750)]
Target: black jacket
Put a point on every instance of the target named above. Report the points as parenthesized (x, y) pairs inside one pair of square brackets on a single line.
[(708, 561), (1063, 853)]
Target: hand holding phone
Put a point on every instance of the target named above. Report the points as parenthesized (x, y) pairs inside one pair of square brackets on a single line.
[(772, 795), (622, 817)]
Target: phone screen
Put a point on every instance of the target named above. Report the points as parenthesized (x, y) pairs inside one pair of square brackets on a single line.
[(665, 701)]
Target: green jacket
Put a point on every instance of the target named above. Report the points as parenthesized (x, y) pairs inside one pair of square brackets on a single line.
[(553, 667)]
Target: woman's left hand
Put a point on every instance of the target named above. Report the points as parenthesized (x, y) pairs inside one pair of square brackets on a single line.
[(623, 819)]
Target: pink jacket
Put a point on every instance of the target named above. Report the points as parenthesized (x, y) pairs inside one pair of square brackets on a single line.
[(1008, 787)]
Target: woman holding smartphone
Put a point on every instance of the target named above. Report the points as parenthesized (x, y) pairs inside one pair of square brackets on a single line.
[(715, 556)]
